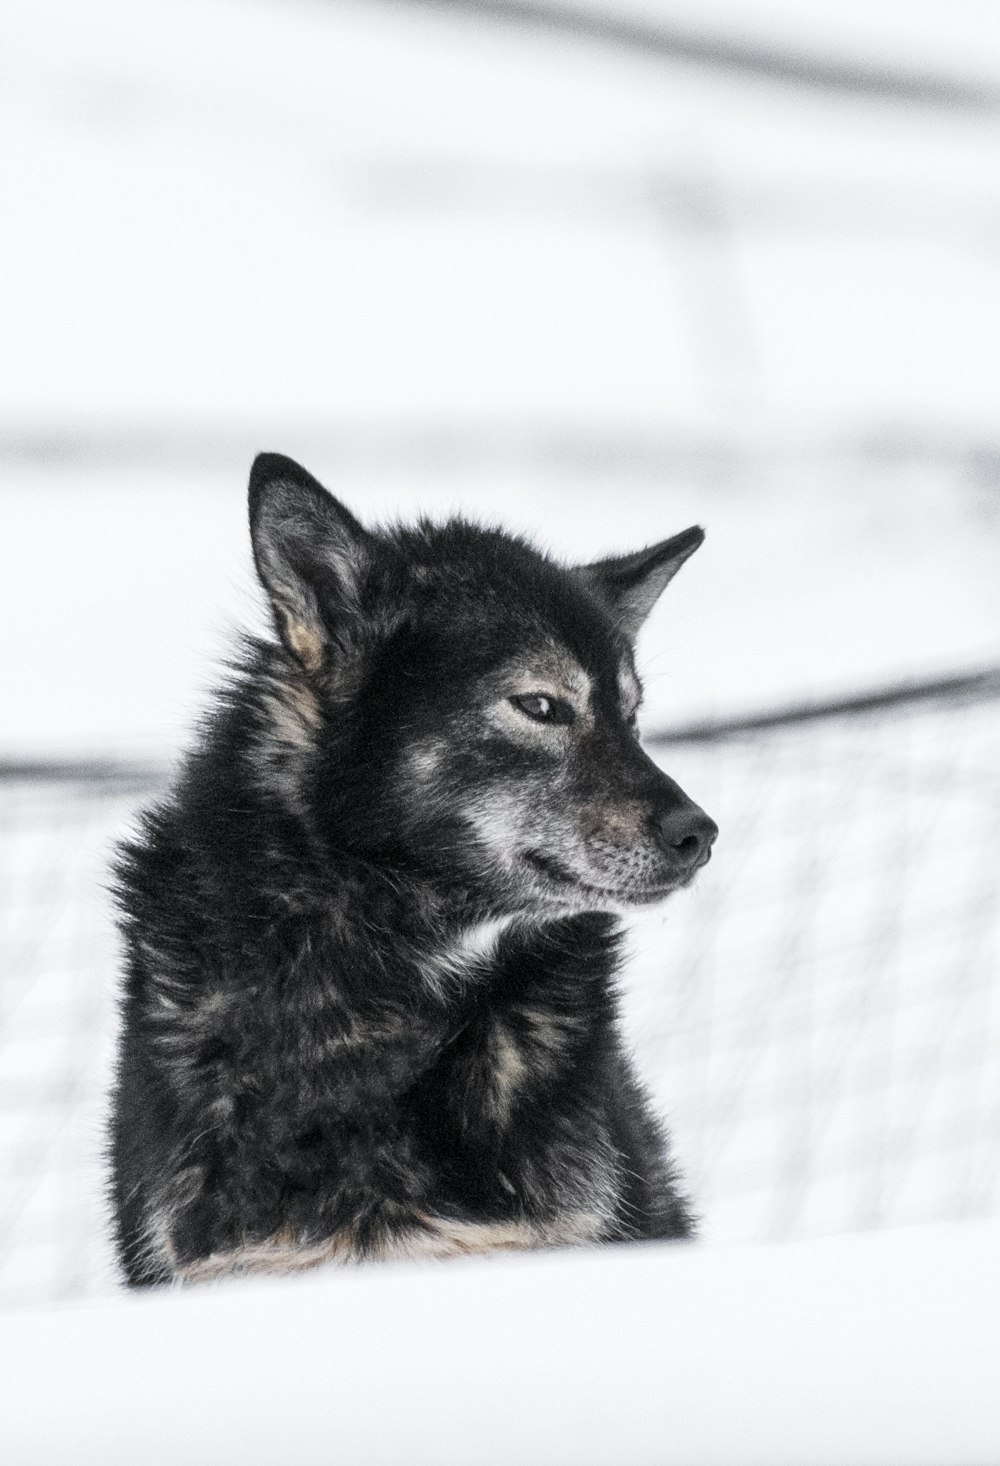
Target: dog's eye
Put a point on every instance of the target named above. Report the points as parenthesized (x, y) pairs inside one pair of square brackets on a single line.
[(541, 708)]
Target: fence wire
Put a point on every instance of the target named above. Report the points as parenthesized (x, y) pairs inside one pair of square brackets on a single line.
[(822, 1018), (819, 1018)]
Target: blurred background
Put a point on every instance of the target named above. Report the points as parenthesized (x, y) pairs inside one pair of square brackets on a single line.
[(596, 270)]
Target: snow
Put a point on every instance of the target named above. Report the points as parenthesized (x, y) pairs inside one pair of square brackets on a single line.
[(880, 1350), (450, 266), (228, 208)]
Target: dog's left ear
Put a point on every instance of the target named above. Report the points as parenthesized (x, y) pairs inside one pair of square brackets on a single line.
[(311, 556), (632, 584)]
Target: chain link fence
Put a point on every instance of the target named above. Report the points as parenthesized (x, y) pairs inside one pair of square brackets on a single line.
[(819, 1018)]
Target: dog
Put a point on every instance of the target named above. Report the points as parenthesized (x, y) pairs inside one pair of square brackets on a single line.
[(371, 936)]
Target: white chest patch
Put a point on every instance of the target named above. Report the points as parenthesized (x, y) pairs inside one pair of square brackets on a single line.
[(469, 952)]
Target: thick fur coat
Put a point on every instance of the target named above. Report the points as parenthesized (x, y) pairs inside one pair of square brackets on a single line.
[(371, 939)]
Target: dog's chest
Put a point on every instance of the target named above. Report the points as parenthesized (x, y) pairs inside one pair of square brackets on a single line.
[(528, 1020)]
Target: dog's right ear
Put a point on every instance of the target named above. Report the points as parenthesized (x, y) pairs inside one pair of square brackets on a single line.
[(632, 584), (311, 555)]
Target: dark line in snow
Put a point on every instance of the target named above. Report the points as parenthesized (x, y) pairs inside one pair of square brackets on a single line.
[(866, 80), (980, 686)]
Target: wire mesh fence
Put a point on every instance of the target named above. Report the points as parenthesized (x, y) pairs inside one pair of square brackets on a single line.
[(822, 1019), (819, 1018)]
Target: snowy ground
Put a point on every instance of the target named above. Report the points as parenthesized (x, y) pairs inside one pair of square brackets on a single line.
[(860, 1351)]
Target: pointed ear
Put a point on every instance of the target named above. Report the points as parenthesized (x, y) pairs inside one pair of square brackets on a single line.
[(311, 555), (632, 584)]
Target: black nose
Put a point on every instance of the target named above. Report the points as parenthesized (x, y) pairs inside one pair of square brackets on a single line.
[(684, 833)]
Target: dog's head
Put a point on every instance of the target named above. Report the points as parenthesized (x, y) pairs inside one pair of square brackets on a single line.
[(470, 706)]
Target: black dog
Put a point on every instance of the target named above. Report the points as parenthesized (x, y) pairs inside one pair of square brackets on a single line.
[(369, 1007)]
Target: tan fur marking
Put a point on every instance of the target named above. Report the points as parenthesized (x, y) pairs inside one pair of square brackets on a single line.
[(294, 717), (306, 642), (507, 1071), (628, 689), (431, 1237), (423, 760), (446, 1238), (548, 1031), (619, 824), (428, 1238), (278, 1254), (459, 1239), (296, 714)]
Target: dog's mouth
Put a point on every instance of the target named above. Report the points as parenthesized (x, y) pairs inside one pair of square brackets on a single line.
[(562, 877)]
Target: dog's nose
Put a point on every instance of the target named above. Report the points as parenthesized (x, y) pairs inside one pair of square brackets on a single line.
[(685, 833)]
